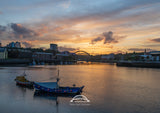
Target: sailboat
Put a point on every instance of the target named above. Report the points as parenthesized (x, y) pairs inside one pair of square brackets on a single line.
[(55, 88)]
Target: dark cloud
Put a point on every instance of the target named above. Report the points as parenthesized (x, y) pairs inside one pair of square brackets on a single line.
[(156, 40), (108, 38), (20, 31), (61, 48), (2, 29), (17, 31), (97, 39), (140, 49), (27, 45)]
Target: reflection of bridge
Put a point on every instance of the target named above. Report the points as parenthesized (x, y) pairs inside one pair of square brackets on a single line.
[(85, 56)]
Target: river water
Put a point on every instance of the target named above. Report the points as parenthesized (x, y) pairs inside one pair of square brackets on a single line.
[(109, 88)]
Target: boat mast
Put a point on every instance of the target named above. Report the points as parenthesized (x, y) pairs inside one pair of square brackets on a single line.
[(24, 74), (58, 78)]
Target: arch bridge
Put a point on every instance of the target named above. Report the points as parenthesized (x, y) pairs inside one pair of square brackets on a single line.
[(85, 57), (81, 51)]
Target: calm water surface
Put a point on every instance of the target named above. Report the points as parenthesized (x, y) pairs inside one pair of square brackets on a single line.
[(109, 88)]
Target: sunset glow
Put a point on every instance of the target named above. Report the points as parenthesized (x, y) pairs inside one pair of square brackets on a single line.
[(98, 27)]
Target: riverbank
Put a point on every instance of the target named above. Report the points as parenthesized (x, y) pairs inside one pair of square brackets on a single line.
[(33, 62), (14, 61), (146, 64)]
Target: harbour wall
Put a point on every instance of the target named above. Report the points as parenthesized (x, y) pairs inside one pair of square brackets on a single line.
[(146, 64)]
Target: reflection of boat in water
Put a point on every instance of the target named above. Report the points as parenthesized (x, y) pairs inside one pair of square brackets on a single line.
[(53, 87), (40, 95), (53, 96), (22, 81)]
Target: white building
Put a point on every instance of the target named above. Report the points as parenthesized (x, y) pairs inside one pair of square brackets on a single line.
[(151, 56), (3, 53), (155, 55)]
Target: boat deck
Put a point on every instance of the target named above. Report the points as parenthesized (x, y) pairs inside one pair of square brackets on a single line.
[(50, 85)]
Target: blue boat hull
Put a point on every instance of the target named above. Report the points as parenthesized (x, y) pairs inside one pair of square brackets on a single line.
[(58, 90)]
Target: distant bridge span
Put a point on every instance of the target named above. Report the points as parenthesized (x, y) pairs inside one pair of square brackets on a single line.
[(82, 52)]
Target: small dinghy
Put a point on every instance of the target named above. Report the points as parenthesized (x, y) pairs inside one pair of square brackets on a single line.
[(22, 81)]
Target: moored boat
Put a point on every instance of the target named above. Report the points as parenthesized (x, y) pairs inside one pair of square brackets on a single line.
[(55, 88), (52, 87), (22, 81)]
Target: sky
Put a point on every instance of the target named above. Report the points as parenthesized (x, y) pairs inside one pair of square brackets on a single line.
[(94, 26)]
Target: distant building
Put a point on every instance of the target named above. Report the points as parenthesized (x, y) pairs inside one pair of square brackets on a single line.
[(155, 55), (66, 53), (149, 56), (42, 56), (19, 53), (108, 57), (54, 47), (3, 53), (146, 57), (11, 45), (63, 55), (17, 45), (14, 44)]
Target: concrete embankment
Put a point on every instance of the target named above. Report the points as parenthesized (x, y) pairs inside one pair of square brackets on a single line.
[(148, 64), (29, 61), (14, 61)]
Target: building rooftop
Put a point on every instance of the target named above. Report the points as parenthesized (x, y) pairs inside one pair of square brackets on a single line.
[(43, 53), (2, 49), (155, 52)]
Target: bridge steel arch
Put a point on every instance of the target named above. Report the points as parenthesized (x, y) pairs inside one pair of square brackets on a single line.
[(83, 52), (86, 53)]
